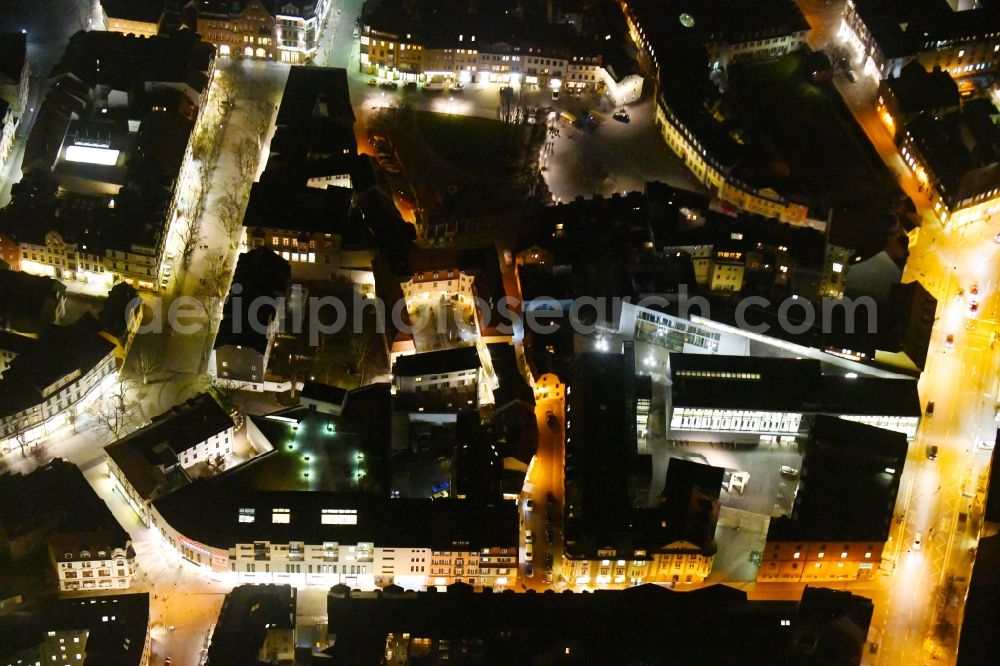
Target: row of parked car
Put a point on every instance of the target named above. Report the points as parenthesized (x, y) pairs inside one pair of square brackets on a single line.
[(412, 85)]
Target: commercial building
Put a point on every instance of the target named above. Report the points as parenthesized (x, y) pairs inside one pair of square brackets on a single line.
[(29, 303), (81, 212), (256, 624), (103, 630), (46, 387), (302, 208), (286, 31), (712, 625), (251, 316), (53, 514), (746, 398), (843, 507), (953, 156), (315, 508), (486, 46), (687, 46), (977, 644), (886, 36), (613, 535), (916, 91), (132, 17), (196, 432)]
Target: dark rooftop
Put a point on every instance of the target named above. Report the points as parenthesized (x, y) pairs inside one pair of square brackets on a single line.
[(28, 298), (437, 362), (148, 11), (916, 90), (313, 93), (850, 477), (399, 523), (247, 614), (717, 381), (260, 273), (60, 351), (281, 200), (708, 626), (13, 51), (117, 627), (54, 498)]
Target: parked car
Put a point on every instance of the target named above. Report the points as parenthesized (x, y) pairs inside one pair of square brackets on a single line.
[(789, 471), (529, 570), (548, 562), (917, 541), (932, 452), (528, 536), (528, 504), (372, 82), (549, 535), (441, 494), (986, 445), (388, 85), (528, 552), (950, 340), (621, 115), (410, 85), (929, 411), (456, 87), (555, 94)]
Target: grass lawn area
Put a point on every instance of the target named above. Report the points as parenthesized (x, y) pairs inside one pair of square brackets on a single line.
[(469, 143), (811, 141)]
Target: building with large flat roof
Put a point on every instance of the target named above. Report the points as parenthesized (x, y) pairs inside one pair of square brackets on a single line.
[(256, 624), (843, 507), (745, 397)]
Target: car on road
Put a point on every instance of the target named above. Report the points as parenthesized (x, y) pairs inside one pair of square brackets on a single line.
[(917, 541), (974, 290), (932, 452), (621, 116), (410, 85), (528, 536), (950, 340), (789, 471), (929, 411), (549, 535), (372, 82), (529, 570), (456, 87), (548, 562), (555, 94), (528, 552), (973, 308), (528, 504)]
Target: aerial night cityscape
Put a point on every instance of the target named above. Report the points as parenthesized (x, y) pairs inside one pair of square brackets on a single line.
[(500, 332)]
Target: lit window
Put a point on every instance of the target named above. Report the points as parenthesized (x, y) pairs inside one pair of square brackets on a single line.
[(820, 555), (843, 555), (868, 555), (837, 267), (281, 516), (796, 556), (339, 517)]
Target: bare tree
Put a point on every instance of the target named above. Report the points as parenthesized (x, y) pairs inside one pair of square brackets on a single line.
[(146, 361), (229, 207), (247, 153), (511, 111), (228, 88), (259, 116), (190, 237), (217, 276), (113, 411)]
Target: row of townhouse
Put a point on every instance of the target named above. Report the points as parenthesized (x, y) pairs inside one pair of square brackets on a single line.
[(408, 58), (51, 383), (286, 31), (886, 36)]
